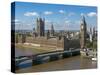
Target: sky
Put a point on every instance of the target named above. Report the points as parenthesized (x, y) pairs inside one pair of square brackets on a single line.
[(63, 17)]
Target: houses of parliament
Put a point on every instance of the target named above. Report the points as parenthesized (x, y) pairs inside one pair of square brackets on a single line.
[(58, 40)]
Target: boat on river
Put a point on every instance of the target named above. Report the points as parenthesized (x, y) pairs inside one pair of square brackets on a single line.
[(87, 53)]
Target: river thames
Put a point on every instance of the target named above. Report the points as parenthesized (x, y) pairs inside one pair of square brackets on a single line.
[(70, 63)]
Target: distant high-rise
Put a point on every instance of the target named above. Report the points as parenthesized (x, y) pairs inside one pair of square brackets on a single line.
[(93, 32), (52, 30), (90, 35), (33, 29), (83, 32), (40, 27)]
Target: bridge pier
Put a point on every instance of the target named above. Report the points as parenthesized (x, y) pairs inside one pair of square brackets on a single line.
[(36, 61), (75, 53), (45, 59), (66, 54), (40, 60), (60, 56), (54, 57)]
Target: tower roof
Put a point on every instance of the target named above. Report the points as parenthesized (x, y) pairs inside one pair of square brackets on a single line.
[(39, 19), (83, 20), (52, 28)]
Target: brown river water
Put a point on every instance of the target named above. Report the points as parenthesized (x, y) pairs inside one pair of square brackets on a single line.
[(70, 63)]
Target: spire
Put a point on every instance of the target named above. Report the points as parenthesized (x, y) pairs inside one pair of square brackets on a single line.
[(83, 20), (93, 31), (34, 29), (40, 19), (90, 30), (44, 19), (90, 35), (37, 19), (48, 34), (52, 30)]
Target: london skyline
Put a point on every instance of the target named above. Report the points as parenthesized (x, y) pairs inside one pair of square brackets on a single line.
[(63, 17)]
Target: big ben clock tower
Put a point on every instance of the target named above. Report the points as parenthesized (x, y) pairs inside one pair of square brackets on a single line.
[(83, 32)]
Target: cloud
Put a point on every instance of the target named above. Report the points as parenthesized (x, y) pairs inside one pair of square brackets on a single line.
[(77, 22), (47, 21), (92, 14), (31, 14), (29, 24), (67, 22), (66, 18), (48, 12), (71, 14), (16, 20), (82, 14), (24, 26), (61, 11), (17, 23), (47, 24)]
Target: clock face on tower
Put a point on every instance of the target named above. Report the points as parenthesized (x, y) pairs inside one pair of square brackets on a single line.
[(82, 27)]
